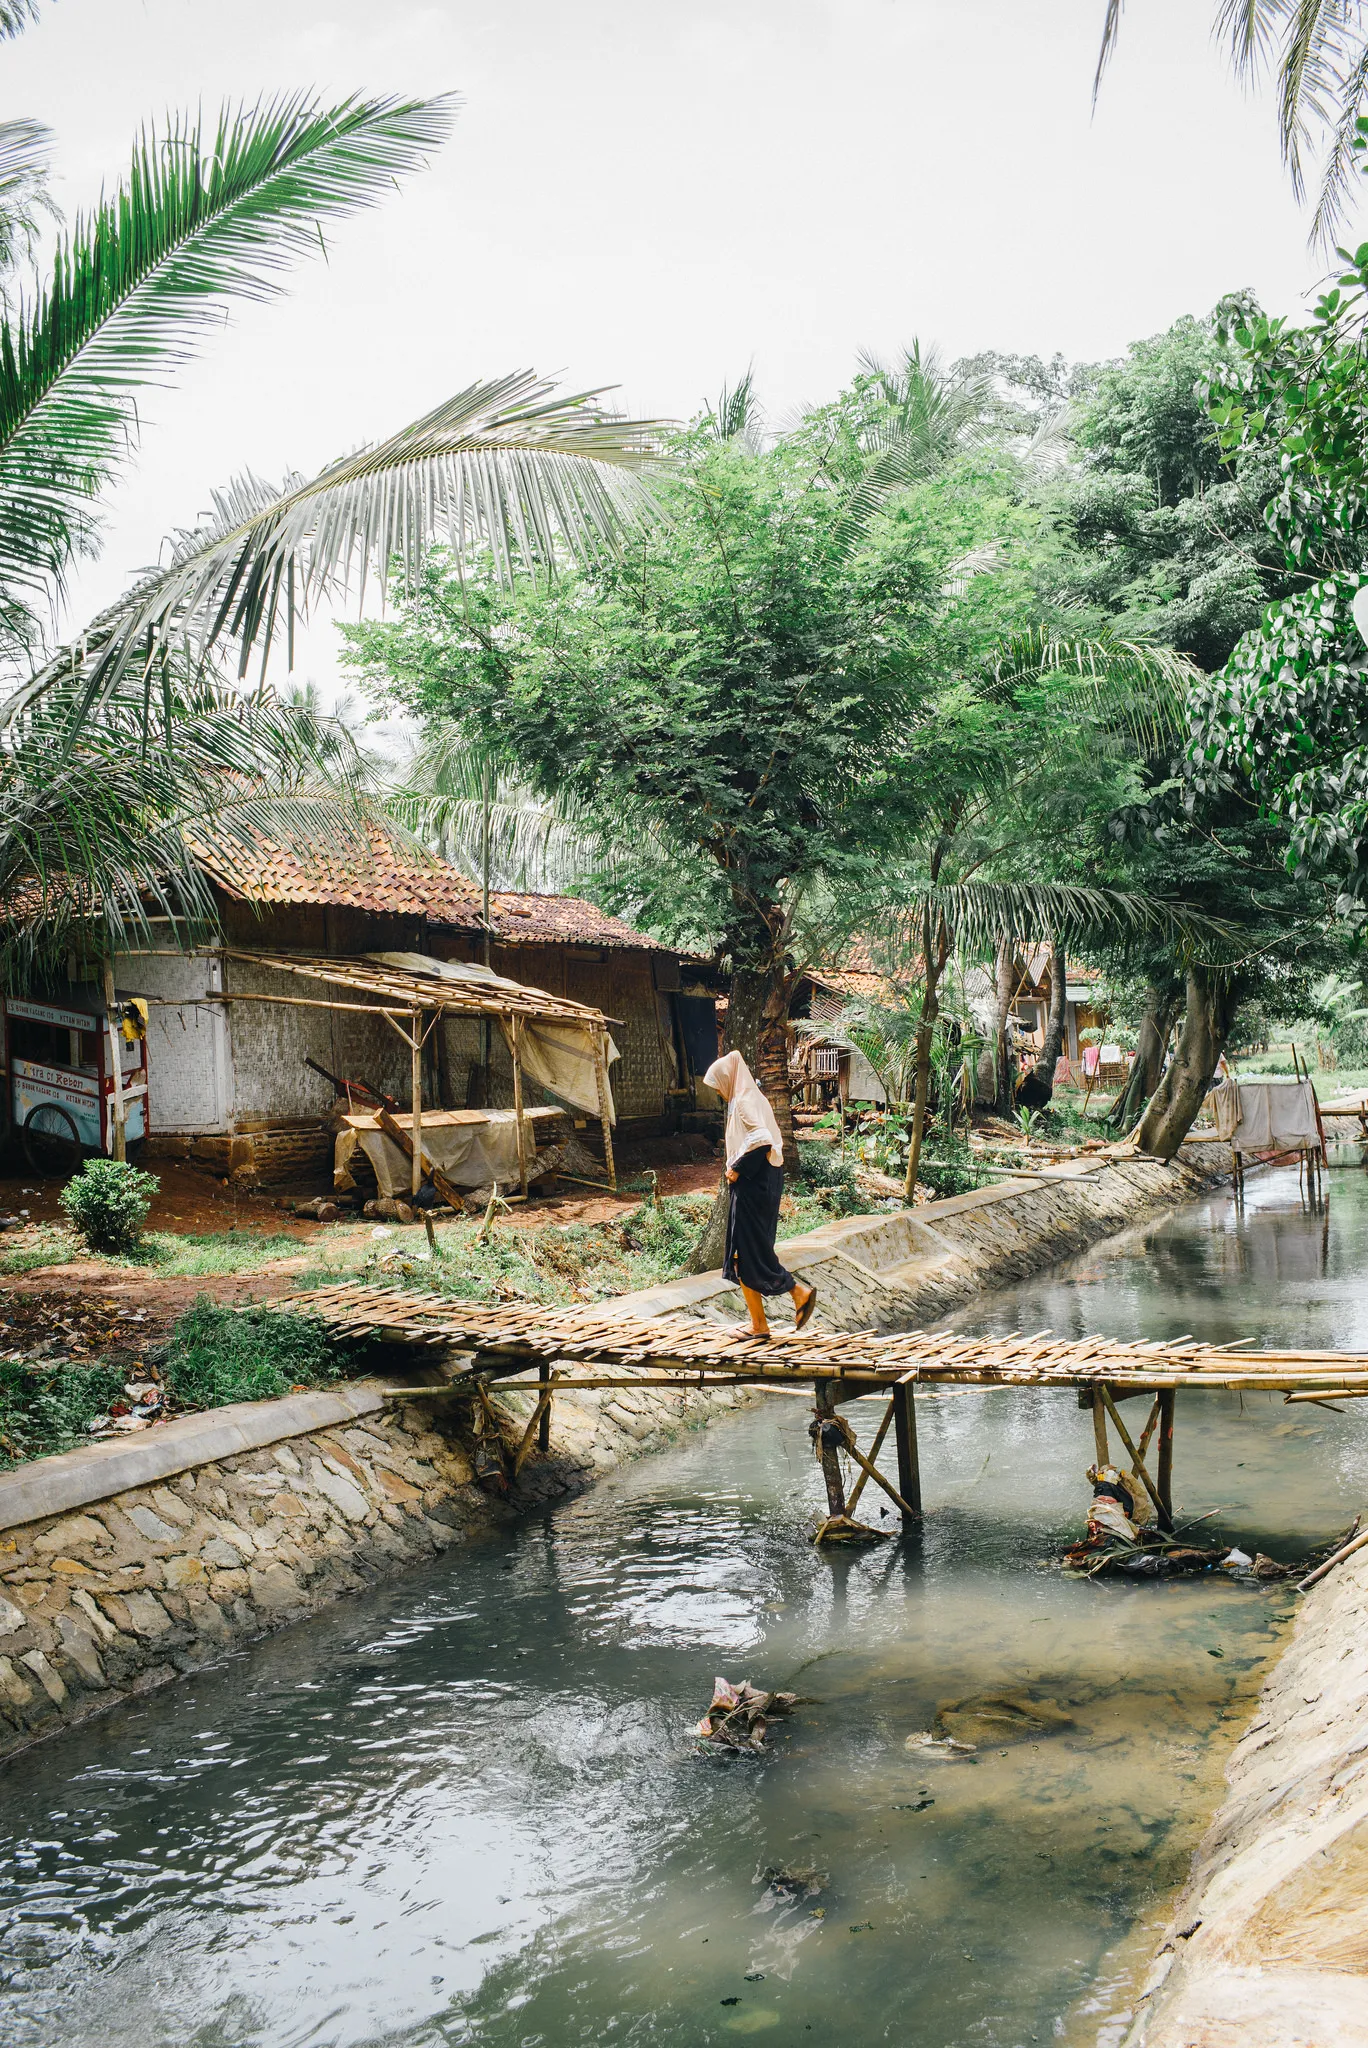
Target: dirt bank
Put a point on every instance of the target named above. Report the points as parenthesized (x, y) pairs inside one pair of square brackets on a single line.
[(1267, 1946)]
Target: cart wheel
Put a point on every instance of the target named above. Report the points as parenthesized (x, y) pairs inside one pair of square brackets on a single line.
[(52, 1144)]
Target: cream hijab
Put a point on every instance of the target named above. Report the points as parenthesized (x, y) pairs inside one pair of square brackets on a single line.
[(750, 1120)]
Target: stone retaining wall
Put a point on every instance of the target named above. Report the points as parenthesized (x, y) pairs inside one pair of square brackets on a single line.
[(140, 1586), (123, 1565), (1268, 1944)]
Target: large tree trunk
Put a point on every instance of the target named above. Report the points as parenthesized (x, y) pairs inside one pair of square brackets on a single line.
[(1143, 1079), (1207, 1018), (757, 1028), (994, 1072), (1036, 1090)]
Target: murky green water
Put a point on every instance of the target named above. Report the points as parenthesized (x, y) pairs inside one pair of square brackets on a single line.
[(465, 1809)]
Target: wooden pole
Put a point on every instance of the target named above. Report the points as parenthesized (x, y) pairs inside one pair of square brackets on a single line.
[(882, 1431), (909, 1461), (1099, 1415), (605, 1105), (416, 1174), (1138, 1463), (1167, 1402), (516, 1034), (829, 1442), (544, 1424), (119, 1113)]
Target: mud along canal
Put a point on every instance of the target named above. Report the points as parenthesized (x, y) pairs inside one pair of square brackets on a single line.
[(466, 1808)]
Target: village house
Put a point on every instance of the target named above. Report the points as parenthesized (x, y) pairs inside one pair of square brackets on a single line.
[(229, 1074)]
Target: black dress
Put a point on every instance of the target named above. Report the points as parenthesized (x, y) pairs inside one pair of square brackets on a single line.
[(752, 1222)]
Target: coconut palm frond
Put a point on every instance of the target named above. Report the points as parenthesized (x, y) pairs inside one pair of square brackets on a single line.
[(102, 820), (16, 15), (204, 215), (1249, 30), (506, 467), (25, 201), (977, 912), (1111, 29), (927, 414), (1134, 685), (738, 414)]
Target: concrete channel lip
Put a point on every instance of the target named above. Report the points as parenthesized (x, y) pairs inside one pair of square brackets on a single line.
[(75, 1479)]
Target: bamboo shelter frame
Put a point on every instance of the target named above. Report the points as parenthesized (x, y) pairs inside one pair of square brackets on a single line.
[(413, 1005), (590, 1350)]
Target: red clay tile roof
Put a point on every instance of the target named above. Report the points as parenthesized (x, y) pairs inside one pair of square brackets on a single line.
[(400, 882), (386, 878), (561, 921)]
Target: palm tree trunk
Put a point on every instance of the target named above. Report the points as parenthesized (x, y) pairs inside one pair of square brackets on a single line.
[(994, 1078), (1038, 1087), (1143, 1078), (1208, 1015)]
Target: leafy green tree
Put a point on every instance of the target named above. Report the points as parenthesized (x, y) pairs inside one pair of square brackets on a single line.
[(1160, 529)]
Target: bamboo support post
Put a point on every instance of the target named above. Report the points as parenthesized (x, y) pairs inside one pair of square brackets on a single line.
[(416, 1166), (605, 1104), (880, 1433), (544, 1417), (1099, 1416), (516, 1034), (829, 1445), (1138, 1463), (1168, 1397), (118, 1109), (904, 1405), (868, 1471)]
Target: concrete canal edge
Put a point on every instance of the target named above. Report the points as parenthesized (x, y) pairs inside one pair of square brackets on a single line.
[(1268, 1944), (126, 1565)]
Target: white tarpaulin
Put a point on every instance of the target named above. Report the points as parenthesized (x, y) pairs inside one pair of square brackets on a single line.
[(1265, 1116), (557, 1054), (471, 1148)]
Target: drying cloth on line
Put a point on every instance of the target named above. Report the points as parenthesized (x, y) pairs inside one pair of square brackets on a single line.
[(473, 1148), (558, 1056), (1272, 1116)]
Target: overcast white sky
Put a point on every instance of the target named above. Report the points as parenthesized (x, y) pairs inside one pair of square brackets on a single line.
[(652, 193)]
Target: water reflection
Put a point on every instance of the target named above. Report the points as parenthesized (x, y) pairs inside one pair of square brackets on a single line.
[(466, 1810)]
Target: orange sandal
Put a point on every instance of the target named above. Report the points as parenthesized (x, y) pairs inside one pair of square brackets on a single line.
[(804, 1314)]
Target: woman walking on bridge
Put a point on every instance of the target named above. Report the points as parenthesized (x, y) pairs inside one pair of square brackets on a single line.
[(755, 1169)]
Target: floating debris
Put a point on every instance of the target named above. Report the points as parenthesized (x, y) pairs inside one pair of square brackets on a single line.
[(787, 1885), (740, 1714), (940, 1749)]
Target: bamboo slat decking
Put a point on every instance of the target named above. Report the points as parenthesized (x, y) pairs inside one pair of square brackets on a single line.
[(680, 1347)]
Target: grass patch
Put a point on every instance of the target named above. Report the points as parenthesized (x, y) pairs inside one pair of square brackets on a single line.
[(199, 1255), (218, 1355)]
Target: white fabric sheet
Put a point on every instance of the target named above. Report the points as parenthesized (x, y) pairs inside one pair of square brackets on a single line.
[(469, 1154), (1269, 1116)]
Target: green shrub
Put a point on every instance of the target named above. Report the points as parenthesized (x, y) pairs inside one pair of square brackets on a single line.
[(832, 1175), (108, 1202), (217, 1355), (46, 1408)]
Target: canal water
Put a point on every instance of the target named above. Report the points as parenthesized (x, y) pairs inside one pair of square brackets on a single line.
[(467, 1809)]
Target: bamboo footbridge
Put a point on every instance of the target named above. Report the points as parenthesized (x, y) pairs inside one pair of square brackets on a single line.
[(583, 1350)]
